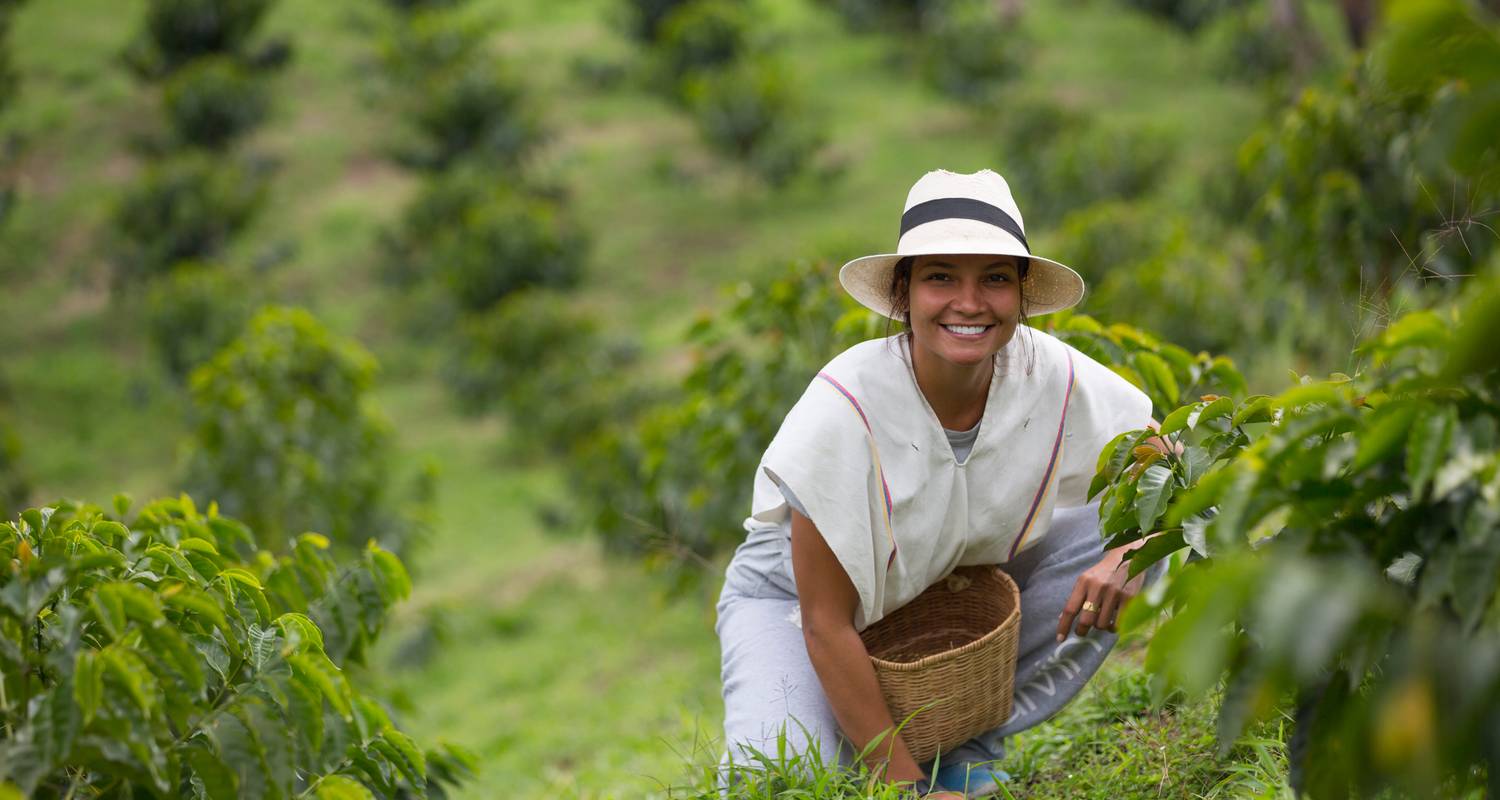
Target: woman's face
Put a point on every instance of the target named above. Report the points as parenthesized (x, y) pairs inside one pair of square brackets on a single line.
[(964, 308)]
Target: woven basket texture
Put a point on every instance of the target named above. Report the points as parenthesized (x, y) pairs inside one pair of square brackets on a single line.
[(953, 647)]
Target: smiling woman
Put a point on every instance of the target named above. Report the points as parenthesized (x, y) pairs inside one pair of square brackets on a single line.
[(968, 439)]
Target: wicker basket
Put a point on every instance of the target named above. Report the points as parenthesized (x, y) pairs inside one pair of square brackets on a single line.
[(954, 646)]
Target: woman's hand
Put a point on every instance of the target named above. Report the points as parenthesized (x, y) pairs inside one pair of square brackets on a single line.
[(1105, 587)]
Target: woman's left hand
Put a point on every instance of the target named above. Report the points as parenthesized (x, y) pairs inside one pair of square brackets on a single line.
[(1105, 587)]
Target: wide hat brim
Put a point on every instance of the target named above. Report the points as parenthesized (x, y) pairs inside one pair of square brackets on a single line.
[(1049, 286)]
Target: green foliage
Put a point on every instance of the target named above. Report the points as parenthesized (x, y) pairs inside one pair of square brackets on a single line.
[(213, 101), (9, 81), (430, 41), (703, 35), (1057, 160), (14, 487), (1186, 15), (655, 483), (971, 49), (163, 656), (184, 209), (177, 32), (1447, 50), (753, 113), (1352, 534), (644, 19), (1246, 46), (506, 240), (896, 16), (473, 111), (1339, 192), (417, 6), (193, 312), (285, 436), (542, 358)]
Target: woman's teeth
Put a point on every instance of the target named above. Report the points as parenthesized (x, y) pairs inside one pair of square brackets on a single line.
[(967, 330)]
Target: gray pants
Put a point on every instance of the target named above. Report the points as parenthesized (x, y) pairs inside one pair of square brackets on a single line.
[(770, 684)]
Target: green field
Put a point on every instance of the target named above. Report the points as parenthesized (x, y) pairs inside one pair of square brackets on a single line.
[(570, 674)]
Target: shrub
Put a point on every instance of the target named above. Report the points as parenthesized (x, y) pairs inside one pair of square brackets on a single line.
[(508, 240), (193, 312), (1058, 161), (674, 480), (543, 360), (1342, 199), (1186, 15), (971, 48), (432, 40), (1347, 531), (417, 6), (185, 208), (644, 18), (752, 113), (284, 436), (163, 657), (214, 101), (701, 36), (897, 16), (1246, 46), (475, 111), (177, 32)]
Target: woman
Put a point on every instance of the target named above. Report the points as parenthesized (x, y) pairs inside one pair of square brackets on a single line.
[(969, 439)]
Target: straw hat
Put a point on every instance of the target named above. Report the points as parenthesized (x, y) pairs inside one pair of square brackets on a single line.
[(953, 213)]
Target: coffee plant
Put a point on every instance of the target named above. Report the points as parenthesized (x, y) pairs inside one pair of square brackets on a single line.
[(284, 437), (162, 655), (753, 113), (1341, 195), (701, 36), (972, 48), (183, 209), (474, 112), (178, 32), (543, 361), (1348, 541), (193, 312), (213, 101)]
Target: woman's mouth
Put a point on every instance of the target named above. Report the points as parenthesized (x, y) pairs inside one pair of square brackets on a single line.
[(968, 331)]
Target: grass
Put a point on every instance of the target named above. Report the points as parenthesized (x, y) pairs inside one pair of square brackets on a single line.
[(570, 674), (1108, 744)]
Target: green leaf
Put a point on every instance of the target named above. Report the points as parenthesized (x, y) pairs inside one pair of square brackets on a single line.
[(317, 670), (1200, 497), (198, 602), (300, 632), (1152, 493), (1177, 420), (219, 782), (132, 673), (1299, 396), (338, 787), (1388, 428), (1158, 376), (412, 764), (390, 575), (1222, 407), (1429, 440), (1155, 549), (88, 683), (1228, 376), (1257, 408)]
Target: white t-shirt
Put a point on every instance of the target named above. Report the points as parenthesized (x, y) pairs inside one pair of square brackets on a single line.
[(868, 461)]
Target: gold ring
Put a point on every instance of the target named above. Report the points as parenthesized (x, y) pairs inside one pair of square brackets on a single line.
[(1088, 605)]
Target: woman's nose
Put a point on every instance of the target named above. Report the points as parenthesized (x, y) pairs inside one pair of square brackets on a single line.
[(968, 297)]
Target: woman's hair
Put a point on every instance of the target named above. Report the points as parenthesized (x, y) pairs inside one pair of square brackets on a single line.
[(899, 293)]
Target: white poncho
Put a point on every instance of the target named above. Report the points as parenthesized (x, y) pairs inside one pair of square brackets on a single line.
[(866, 456)]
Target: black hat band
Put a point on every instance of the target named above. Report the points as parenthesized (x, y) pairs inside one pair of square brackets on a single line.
[(961, 208)]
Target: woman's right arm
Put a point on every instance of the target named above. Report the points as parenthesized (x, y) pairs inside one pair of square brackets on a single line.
[(828, 600)]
